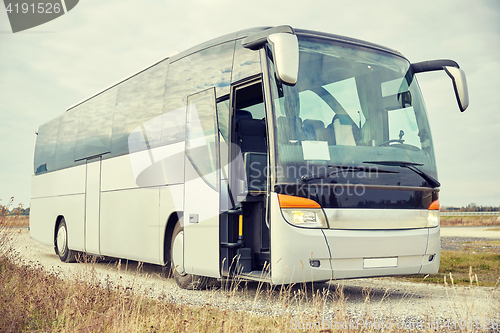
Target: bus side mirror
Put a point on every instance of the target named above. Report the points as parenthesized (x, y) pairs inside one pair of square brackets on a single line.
[(285, 48), (454, 72), (460, 85)]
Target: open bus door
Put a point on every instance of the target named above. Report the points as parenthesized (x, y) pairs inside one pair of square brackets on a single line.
[(202, 186)]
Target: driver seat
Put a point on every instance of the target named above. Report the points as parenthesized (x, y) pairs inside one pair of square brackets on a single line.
[(343, 129)]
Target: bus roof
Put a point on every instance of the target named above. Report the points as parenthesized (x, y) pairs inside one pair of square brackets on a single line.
[(240, 35), (248, 32)]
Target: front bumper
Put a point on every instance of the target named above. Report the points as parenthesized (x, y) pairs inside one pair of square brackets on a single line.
[(305, 254)]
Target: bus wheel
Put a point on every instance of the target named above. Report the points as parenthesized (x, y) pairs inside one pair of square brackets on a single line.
[(183, 280), (65, 254)]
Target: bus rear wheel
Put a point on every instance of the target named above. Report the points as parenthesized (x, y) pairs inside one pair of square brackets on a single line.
[(183, 280), (65, 254)]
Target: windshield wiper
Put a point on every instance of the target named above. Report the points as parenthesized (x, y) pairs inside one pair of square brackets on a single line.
[(342, 168), (412, 166)]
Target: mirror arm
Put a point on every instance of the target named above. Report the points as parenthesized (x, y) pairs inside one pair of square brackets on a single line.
[(433, 65), (258, 39), (456, 75)]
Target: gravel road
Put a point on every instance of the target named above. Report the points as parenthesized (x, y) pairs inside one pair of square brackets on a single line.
[(389, 299)]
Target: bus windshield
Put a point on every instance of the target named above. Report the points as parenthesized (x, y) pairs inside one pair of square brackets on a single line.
[(351, 105)]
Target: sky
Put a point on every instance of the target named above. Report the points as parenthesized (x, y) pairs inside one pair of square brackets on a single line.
[(48, 68)]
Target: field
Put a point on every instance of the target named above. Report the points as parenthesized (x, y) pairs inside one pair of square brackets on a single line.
[(15, 221), (469, 221), (478, 263)]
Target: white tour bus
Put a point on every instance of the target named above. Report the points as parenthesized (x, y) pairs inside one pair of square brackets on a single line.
[(271, 154)]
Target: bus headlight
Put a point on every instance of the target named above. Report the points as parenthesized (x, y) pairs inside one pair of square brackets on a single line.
[(302, 212), (432, 218), (307, 218)]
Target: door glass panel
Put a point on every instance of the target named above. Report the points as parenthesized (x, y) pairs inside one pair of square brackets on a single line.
[(201, 139)]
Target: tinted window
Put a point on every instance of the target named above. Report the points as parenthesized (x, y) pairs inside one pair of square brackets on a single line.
[(138, 109), (223, 117), (351, 106), (246, 62), (94, 127), (196, 72), (66, 139), (250, 99), (201, 138), (45, 149)]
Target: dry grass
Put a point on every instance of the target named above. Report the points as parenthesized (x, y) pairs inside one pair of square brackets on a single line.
[(15, 221), (33, 300), (469, 221)]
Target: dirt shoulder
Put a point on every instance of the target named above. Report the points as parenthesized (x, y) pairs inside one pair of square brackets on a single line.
[(475, 231), (361, 298)]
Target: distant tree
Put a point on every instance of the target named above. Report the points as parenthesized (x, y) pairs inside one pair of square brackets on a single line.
[(19, 210), (5, 209)]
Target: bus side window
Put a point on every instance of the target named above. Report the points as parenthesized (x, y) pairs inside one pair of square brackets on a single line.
[(138, 112), (223, 117), (66, 139), (95, 125), (45, 149)]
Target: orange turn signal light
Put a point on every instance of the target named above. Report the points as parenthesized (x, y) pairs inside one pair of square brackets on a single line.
[(289, 201), (434, 205)]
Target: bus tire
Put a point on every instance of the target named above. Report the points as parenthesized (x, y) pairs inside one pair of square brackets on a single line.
[(65, 254), (184, 280)]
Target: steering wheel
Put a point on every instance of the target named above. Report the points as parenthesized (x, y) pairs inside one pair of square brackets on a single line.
[(388, 142)]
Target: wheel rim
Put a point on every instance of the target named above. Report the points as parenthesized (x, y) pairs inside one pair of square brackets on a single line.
[(61, 240)]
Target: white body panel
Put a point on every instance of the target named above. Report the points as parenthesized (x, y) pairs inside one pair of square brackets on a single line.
[(58, 194), (376, 219), (130, 224), (92, 206), (349, 248), (63, 182), (152, 167), (43, 217), (201, 238), (433, 248), (117, 174), (136, 204), (384, 237)]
